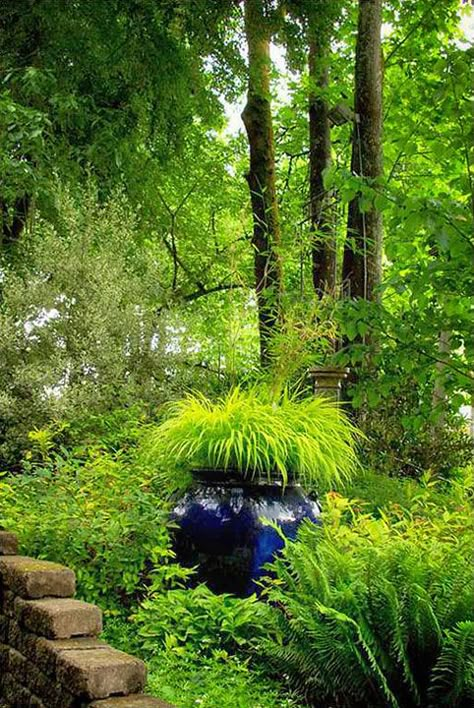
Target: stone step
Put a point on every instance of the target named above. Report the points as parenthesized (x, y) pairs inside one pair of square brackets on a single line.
[(50, 656), (8, 543), (34, 579), (136, 701), (47, 651), (100, 673), (59, 618)]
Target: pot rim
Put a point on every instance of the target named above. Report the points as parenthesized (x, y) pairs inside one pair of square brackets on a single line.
[(220, 476)]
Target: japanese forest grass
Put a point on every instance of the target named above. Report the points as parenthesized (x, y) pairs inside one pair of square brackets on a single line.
[(252, 434)]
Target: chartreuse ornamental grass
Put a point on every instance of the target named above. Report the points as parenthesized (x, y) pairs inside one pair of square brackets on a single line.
[(248, 432)]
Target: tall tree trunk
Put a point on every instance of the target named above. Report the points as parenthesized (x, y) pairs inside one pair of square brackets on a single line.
[(257, 119), (16, 210), (439, 389), (363, 250), (323, 250), (14, 218)]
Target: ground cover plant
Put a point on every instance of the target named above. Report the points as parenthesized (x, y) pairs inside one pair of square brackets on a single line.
[(204, 647)]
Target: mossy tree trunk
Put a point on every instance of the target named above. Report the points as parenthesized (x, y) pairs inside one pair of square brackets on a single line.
[(363, 250), (15, 209), (257, 119), (323, 250), (14, 217)]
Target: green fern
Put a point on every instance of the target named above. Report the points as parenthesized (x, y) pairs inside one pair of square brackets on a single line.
[(453, 675), (360, 608)]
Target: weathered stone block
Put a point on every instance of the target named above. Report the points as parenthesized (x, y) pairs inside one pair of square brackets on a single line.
[(17, 664), (36, 703), (16, 695), (21, 640), (8, 543), (8, 600), (52, 693), (64, 701), (27, 674), (136, 701), (59, 618), (3, 628), (30, 578), (33, 689), (15, 634), (100, 673), (4, 659), (48, 650)]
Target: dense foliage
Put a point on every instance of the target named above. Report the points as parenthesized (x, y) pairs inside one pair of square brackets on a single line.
[(382, 591), (136, 266), (198, 621), (91, 508)]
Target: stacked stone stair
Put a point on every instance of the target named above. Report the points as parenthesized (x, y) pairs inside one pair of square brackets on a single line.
[(50, 652)]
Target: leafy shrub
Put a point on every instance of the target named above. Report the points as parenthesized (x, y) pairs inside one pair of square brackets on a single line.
[(249, 432), (96, 514), (198, 622), (378, 492), (379, 611), (404, 444), (196, 669), (117, 430)]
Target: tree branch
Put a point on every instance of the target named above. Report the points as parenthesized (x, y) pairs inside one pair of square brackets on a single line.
[(202, 292), (415, 348), (222, 287), (409, 33)]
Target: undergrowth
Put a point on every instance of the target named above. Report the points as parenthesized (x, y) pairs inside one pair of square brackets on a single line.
[(378, 611)]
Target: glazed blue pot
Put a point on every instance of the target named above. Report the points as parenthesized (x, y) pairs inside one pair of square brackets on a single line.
[(220, 528)]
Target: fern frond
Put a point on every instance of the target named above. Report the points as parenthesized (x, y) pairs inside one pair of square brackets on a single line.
[(452, 681)]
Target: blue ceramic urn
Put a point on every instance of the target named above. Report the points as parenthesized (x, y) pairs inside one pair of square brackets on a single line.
[(221, 530)]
